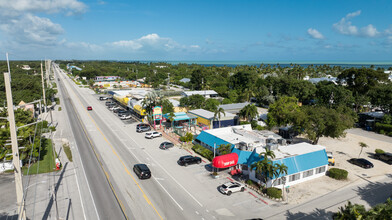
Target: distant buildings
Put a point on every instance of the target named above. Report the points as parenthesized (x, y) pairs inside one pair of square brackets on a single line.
[(106, 78), (185, 80), (206, 120), (205, 93), (26, 67)]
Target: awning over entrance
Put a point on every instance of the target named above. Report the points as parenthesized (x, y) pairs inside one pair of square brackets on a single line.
[(224, 161)]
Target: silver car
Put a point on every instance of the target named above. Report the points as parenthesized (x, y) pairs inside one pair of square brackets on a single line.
[(230, 187)]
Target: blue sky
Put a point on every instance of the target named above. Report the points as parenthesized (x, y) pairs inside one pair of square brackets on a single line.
[(202, 30)]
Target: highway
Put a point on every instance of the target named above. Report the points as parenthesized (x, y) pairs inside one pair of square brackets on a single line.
[(103, 197)]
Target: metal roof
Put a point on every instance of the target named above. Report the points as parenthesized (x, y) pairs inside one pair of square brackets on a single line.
[(203, 92), (210, 140), (180, 116), (233, 106)]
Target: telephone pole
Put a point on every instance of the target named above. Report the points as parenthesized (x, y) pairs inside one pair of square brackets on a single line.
[(43, 87), (15, 149)]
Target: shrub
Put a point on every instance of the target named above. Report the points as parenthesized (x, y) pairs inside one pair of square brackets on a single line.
[(379, 151), (274, 192), (59, 108), (338, 174), (204, 152), (385, 128)]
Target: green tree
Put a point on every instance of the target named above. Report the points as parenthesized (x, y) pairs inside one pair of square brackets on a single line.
[(198, 79), (284, 111), (329, 94), (381, 96), (167, 106), (350, 211), (196, 101), (249, 112), (217, 114), (265, 167), (362, 145), (280, 169), (319, 121), (361, 81), (224, 149), (211, 105)]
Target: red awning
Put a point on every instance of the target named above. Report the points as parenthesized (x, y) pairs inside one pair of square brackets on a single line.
[(224, 161)]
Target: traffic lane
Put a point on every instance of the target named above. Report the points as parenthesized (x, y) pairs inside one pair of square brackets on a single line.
[(107, 205), (106, 133)]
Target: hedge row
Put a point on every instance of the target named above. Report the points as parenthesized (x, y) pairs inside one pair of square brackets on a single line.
[(204, 152), (274, 192), (384, 129), (337, 173)]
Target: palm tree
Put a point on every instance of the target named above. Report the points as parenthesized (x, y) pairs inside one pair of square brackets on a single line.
[(217, 114), (249, 112), (279, 170), (171, 118), (362, 145), (267, 153)]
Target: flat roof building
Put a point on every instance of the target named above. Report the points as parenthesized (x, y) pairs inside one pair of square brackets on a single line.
[(205, 93)]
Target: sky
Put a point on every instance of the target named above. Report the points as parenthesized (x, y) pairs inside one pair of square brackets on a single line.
[(199, 30)]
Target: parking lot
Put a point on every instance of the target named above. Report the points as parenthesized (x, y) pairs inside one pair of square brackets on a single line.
[(133, 117)]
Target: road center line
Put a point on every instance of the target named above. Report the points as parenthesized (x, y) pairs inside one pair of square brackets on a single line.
[(168, 194)]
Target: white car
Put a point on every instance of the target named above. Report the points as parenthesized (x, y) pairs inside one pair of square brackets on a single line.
[(153, 134), (125, 117), (113, 108), (230, 187)]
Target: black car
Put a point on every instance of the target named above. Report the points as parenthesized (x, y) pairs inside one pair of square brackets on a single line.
[(361, 162), (166, 145), (189, 159), (385, 157), (142, 171), (143, 128)]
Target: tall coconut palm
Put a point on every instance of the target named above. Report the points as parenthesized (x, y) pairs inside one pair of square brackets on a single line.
[(217, 114), (267, 153), (264, 168), (249, 112), (279, 170)]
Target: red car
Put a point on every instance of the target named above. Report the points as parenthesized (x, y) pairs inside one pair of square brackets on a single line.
[(89, 108)]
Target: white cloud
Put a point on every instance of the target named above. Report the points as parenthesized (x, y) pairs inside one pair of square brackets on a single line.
[(32, 29), (195, 46), (345, 26), (148, 42), (315, 34), (15, 7), (369, 31)]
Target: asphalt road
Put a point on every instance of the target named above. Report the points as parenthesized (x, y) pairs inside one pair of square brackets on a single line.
[(105, 202)]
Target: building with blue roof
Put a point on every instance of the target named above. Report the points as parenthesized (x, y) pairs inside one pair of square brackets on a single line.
[(304, 161)]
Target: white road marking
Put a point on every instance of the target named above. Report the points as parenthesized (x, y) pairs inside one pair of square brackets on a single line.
[(239, 203), (197, 212), (169, 194), (157, 178)]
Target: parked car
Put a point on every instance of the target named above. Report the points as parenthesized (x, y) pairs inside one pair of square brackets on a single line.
[(89, 108), (103, 98), (142, 171), (166, 145), (385, 157), (331, 159), (361, 162), (125, 117), (113, 108), (231, 187), (189, 159), (153, 134), (122, 112), (143, 128), (109, 103)]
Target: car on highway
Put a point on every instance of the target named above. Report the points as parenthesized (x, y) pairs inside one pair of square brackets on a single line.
[(385, 157), (231, 187), (103, 98), (189, 159), (125, 117), (142, 171), (166, 145), (143, 128), (153, 134), (361, 162), (89, 108)]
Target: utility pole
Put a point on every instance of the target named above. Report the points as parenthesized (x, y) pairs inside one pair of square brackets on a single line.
[(43, 86), (15, 149)]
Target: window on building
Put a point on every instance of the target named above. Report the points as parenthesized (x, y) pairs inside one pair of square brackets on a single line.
[(320, 169), (278, 182), (307, 173), (294, 177), (259, 176)]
